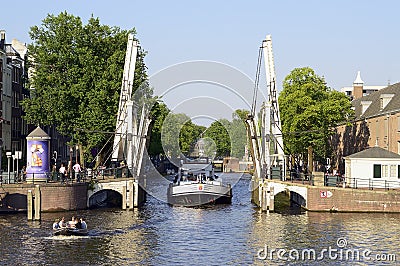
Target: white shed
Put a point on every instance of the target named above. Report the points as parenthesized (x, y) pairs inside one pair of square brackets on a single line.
[(373, 168)]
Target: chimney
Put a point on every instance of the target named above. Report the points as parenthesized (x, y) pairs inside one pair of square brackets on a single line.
[(2, 39), (358, 86)]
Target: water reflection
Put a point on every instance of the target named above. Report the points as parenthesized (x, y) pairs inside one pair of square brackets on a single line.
[(158, 234)]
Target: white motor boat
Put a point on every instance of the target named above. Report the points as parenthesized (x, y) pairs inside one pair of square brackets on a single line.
[(196, 184)]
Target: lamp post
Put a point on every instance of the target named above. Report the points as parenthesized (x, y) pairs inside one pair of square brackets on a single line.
[(77, 148), (8, 154), (13, 165), (18, 156), (70, 161)]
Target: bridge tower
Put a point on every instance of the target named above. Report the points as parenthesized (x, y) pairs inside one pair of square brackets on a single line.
[(265, 138), (131, 129), (271, 133)]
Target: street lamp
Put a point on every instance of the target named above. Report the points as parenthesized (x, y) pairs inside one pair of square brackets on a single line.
[(18, 156), (70, 161), (13, 163), (77, 148), (8, 154)]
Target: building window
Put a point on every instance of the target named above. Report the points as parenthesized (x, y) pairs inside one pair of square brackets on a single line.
[(377, 171), (385, 171), (393, 169)]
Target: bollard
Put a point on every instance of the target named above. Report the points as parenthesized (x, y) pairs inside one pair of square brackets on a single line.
[(131, 191), (271, 199), (124, 194), (30, 205), (37, 202), (135, 194)]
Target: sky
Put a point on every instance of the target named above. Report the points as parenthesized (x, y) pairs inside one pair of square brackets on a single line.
[(335, 38)]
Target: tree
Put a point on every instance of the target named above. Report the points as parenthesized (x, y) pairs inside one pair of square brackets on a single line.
[(190, 133), (309, 110), (218, 132), (237, 131), (158, 114), (77, 72)]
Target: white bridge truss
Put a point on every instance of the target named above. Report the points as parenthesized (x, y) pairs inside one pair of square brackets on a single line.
[(266, 143), (131, 130)]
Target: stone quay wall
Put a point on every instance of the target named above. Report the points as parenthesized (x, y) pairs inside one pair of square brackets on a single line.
[(53, 197), (352, 200)]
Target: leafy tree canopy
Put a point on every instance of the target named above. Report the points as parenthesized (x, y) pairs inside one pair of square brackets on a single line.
[(218, 132), (309, 109), (77, 73)]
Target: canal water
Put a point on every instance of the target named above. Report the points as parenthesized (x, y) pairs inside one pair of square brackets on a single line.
[(235, 234)]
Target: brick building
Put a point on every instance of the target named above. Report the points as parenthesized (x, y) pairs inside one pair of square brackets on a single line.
[(376, 123), (13, 89), (13, 76)]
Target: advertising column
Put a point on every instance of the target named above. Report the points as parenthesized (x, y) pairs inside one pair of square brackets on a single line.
[(38, 156)]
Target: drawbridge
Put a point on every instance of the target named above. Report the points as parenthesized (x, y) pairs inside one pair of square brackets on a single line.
[(265, 136)]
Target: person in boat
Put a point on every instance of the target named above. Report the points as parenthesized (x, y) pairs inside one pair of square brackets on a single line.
[(78, 224), (83, 223), (56, 224), (72, 223), (62, 223)]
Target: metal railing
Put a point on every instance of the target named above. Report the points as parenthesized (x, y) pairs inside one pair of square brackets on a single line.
[(333, 181), (372, 183), (86, 175), (305, 179)]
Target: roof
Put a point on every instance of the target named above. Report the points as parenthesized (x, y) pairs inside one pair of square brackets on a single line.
[(375, 152), (375, 107), (38, 133)]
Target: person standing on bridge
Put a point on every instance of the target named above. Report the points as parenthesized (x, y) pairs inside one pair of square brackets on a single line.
[(77, 170), (62, 172)]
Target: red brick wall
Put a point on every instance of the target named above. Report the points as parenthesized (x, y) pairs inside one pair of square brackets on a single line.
[(57, 198), (352, 200), (54, 197)]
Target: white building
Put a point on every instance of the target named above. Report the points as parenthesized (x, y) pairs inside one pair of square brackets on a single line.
[(373, 168)]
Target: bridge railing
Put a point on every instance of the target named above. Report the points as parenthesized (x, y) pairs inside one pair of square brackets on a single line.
[(295, 177), (371, 184), (107, 173), (333, 180), (86, 175)]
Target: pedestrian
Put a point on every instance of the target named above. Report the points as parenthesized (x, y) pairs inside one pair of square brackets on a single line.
[(23, 173), (62, 172), (77, 170)]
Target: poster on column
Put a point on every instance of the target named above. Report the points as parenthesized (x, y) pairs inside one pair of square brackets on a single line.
[(37, 159)]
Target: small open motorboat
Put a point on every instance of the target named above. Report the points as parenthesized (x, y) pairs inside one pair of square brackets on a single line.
[(70, 231)]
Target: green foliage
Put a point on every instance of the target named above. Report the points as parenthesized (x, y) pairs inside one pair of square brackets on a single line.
[(179, 135), (309, 110), (218, 132), (238, 133), (77, 77), (189, 135), (158, 114)]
